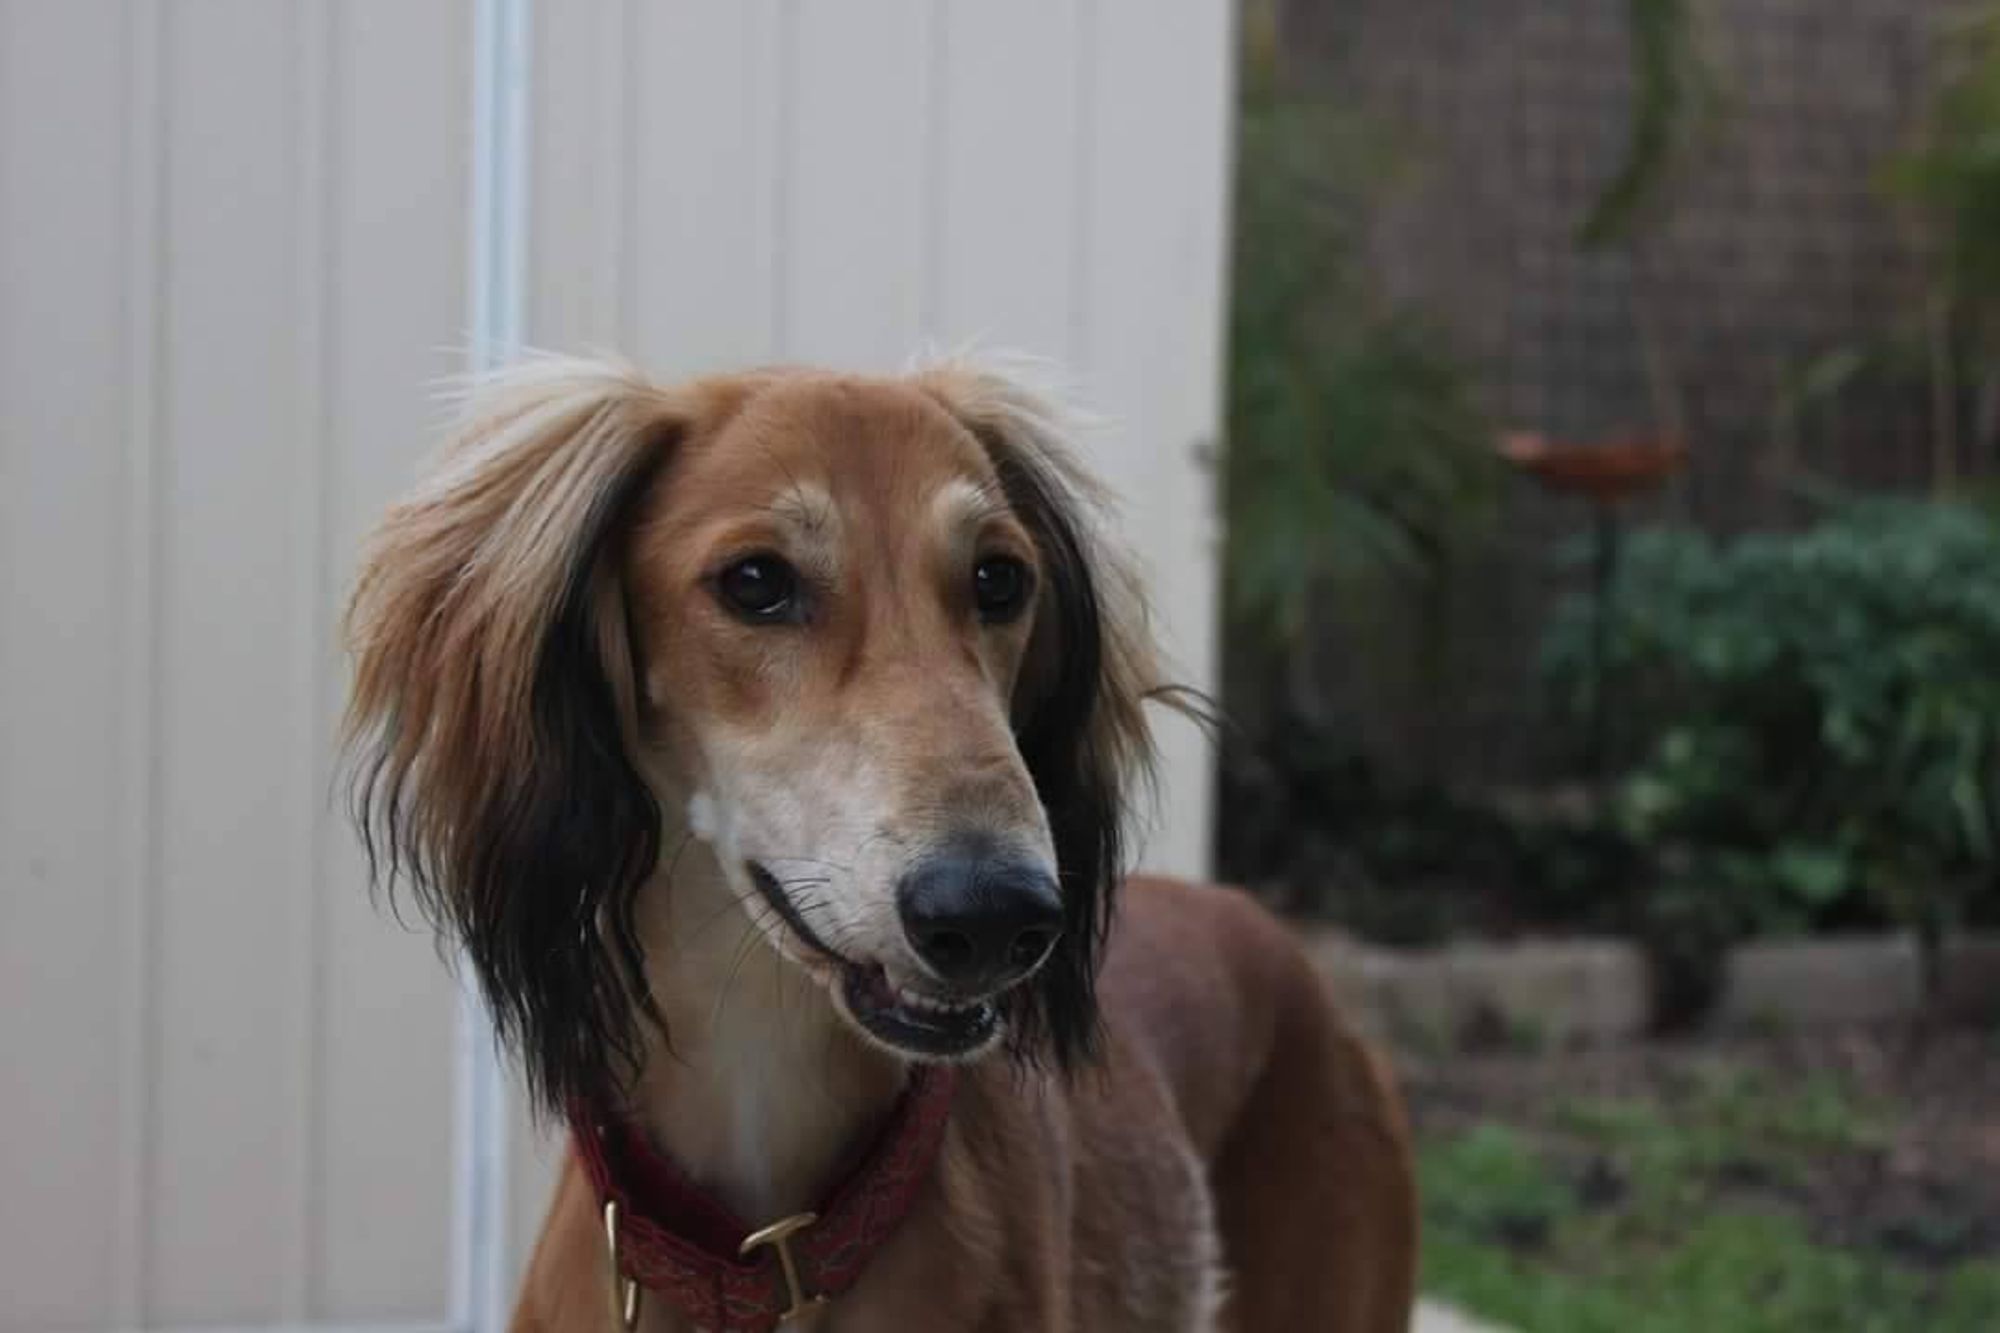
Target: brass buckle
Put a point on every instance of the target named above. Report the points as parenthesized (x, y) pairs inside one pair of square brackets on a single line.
[(778, 1236), (624, 1291)]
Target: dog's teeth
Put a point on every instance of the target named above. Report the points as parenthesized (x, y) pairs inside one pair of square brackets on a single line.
[(911, 999)]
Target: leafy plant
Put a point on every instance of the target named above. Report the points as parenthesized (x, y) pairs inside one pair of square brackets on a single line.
[(1819, 718), (1953, 177), (1355, 451), (1954, 172), (1356, 464), (1950, 181), (1676, 100)]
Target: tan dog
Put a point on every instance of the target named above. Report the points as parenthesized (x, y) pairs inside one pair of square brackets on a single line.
[(765, 743)]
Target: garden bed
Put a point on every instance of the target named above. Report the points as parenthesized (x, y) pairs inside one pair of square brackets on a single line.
[(1845, 1180)]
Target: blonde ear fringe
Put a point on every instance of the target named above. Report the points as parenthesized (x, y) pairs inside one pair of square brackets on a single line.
[(486, 724), (462, 579)]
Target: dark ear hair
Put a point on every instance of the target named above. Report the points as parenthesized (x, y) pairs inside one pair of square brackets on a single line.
[(1078, 715), (492, 712)]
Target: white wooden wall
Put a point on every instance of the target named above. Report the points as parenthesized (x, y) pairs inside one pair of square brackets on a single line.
[(231, 253), (236, 247)]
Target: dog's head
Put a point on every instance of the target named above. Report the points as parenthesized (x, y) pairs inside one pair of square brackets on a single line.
[(860, 637)]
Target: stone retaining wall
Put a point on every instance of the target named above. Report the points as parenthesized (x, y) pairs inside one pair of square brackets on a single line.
[(1583, 991)]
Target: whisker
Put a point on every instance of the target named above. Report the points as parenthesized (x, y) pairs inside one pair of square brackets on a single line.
[(753, 930), (734, 905)]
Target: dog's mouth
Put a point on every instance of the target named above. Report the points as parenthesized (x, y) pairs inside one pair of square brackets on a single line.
[(925, 1026), (919, 1025)]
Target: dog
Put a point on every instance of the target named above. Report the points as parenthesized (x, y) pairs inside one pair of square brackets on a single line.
[(765, 745)]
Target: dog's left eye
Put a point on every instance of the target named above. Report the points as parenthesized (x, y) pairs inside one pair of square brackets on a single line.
[(759, 588), (1000, 587)]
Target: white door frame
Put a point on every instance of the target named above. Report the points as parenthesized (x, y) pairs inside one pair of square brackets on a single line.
[(496, 284)]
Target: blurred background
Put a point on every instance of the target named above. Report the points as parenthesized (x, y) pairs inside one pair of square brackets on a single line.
[(1562, 434), (1612, 630)]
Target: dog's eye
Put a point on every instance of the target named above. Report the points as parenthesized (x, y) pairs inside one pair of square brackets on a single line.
[(1000, 587), (759, 588)]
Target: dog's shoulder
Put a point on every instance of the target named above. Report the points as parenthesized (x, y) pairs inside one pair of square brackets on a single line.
[(1176, 943)]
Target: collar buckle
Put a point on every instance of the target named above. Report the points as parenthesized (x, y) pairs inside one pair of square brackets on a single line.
[(778, 1236), (624, 1291)]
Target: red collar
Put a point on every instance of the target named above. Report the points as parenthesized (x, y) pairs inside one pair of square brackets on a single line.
[(681, 1244)]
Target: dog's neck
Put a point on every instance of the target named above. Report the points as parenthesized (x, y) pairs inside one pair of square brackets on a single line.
[(759, 1091)]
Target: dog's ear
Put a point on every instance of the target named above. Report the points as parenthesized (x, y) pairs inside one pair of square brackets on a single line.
[(1078, 708), (491, 719)]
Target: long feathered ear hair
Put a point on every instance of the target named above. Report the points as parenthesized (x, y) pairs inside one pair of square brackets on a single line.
[(1078, 711), (492, 711)]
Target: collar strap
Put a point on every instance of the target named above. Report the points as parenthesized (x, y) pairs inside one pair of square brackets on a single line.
[(674, 1239)]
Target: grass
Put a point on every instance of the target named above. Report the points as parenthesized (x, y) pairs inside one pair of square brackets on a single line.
[(1633, 1217)]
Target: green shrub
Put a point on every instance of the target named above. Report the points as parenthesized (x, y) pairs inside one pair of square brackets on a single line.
[(1818, 717), (1354, 452), (1355, 469)]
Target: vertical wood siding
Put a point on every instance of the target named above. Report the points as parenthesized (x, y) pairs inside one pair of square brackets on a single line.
[(231, 265)]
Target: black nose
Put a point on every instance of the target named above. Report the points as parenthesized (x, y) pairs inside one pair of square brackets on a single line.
[(980, 918)]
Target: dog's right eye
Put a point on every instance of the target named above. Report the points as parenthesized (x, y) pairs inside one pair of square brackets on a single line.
[(759, 589)]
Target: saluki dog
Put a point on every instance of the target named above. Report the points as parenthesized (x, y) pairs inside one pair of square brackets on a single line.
[(764, 744)]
